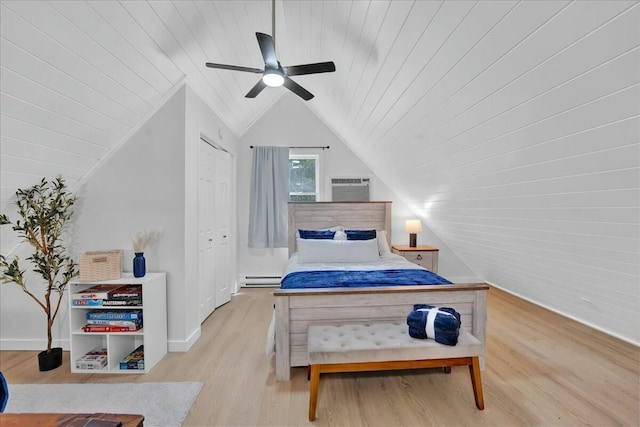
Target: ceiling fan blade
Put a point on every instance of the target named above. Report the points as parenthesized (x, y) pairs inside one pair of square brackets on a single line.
[(320, 67), (268, 49), (256, 89), (234, 68), (297, 89)]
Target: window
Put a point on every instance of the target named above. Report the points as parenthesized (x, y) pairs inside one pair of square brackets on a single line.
[(304, 177)]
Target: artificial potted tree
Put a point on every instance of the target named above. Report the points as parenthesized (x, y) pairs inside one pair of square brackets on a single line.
[(44, 209)]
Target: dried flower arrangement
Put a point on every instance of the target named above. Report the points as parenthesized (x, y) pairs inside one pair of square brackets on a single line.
[(141, 239)]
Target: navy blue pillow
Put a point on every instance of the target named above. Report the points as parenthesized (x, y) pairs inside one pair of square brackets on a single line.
[(317, 234), (360, 234)]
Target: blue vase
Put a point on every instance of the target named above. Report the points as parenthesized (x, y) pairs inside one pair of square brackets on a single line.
[(139, 265)]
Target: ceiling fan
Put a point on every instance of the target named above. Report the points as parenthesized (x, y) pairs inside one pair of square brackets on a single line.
[(273, 73)]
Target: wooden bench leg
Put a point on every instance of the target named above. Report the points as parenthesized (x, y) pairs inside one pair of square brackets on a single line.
[(476, 382), (313, 391)]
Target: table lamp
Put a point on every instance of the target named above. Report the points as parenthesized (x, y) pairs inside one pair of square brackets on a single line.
[(413, 226)]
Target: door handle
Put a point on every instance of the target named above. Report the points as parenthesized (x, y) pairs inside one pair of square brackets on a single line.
[(419, 257)]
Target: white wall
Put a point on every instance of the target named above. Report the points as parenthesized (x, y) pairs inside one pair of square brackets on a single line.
[(524, 155), (290, 123), (22, 322), (150, 182), (140, 187)]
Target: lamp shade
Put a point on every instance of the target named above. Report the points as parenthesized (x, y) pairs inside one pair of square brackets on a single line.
[(413, 226)]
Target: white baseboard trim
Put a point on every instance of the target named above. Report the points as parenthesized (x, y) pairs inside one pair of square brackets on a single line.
[(182, 346), (39, 345), (31, 344), (568, 316)]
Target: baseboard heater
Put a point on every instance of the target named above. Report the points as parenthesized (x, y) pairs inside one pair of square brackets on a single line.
[(267, 281)]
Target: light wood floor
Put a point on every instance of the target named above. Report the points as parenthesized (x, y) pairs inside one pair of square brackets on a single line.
[(542, 370)]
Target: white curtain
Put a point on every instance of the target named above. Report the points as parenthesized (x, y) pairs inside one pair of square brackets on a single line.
[(268, 218)]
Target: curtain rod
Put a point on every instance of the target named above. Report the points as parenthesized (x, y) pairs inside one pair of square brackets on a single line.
[(324, 148)]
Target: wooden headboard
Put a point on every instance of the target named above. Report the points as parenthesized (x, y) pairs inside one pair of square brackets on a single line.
[(356, 215)]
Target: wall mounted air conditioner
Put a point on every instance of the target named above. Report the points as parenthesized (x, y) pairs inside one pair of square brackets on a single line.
[(350, 189)]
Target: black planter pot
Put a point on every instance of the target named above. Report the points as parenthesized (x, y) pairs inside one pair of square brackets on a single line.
[(49, 361)]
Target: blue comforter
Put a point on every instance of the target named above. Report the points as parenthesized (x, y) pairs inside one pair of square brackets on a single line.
[(360, 278)]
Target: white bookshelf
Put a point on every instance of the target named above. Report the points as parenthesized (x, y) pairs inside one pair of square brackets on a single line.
[(153, 334)]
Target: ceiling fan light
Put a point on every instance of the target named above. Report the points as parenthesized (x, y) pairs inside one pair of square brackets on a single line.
[(273, 78)]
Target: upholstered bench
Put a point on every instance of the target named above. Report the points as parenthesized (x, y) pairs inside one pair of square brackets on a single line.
[(385, 346)]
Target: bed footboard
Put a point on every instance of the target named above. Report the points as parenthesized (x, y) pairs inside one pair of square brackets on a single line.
[(297, 309)]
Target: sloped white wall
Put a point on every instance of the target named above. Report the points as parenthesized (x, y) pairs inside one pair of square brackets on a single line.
[(142, 187), (290, 123), (139, 187), (152, 183), (149, 183), (527, 163)]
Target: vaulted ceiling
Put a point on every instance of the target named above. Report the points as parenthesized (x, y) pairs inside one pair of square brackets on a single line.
[(77, 76), (511, 127)]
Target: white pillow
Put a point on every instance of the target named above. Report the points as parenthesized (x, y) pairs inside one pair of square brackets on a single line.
[(337, 250), (383, 244), (340, 235)]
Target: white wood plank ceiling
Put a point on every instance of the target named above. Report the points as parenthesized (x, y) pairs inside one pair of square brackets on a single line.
[(511, 127)]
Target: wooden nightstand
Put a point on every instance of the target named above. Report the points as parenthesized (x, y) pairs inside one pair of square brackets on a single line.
[(426, 256)]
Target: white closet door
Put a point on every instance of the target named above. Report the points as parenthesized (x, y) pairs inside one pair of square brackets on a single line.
[(222, 221), (206, 229)]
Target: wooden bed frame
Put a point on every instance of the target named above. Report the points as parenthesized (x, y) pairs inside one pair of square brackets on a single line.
[(297, 309)]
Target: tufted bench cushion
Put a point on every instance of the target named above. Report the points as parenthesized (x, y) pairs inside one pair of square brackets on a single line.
[(385, 346), (381, 342)]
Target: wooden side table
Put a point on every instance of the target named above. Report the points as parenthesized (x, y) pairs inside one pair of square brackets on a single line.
[(426, 256)]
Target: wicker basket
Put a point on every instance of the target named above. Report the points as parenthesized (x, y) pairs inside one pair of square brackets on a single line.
[(100, 265)]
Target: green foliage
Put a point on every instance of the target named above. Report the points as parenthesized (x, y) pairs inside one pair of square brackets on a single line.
[(44, 210), (302, 179)]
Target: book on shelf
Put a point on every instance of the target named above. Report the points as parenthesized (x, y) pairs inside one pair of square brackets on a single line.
[(128, 323), (106, 302), (93, 360), (126, 292), (118, 302), (110, 328), (101, 291), (114, 315), (134, 360)]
